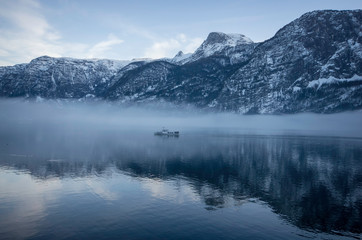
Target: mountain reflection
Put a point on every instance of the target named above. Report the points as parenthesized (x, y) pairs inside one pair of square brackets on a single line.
[(315, 183)]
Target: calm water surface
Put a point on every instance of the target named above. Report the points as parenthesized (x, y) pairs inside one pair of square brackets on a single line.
[(87, 184)]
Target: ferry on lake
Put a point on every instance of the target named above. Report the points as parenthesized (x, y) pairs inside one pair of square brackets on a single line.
[(166, 132)]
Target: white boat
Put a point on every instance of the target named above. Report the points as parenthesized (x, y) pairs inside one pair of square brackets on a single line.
[(165, 132)]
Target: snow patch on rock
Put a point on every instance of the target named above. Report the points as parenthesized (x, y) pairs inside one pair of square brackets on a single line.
[(319, 82)]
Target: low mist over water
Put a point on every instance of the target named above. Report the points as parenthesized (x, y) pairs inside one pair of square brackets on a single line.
[(96, 116), (96, 170)]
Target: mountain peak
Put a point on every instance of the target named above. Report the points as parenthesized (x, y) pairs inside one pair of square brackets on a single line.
[(329, 12), (231, 39), (323, 23), (216, 42), (179, 54), (181, 57), (216, 37)]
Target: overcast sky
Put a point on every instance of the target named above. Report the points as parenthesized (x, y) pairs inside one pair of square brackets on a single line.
[(118, 29)]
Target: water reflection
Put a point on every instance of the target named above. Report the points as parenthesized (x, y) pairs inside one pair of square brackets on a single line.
[(313, 183)]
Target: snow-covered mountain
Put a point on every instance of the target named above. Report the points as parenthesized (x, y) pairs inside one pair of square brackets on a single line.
[(221, 44), (181, 57), (58, 77), (217, 43), (312, 64)]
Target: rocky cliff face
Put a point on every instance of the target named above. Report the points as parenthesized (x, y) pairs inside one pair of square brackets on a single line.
[(312, 64)]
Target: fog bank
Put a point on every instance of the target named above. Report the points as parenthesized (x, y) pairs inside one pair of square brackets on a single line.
[(97, 116)]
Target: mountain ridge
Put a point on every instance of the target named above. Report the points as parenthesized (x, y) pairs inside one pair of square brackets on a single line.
[(312, 64)]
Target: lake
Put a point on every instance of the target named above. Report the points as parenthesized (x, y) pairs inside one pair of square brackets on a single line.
[(62, 179)]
